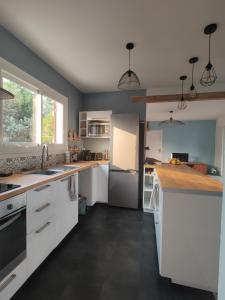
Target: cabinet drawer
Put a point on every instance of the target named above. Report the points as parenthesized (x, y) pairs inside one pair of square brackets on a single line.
[(40, 243), (11, 283), (39, 196), (38, 216)]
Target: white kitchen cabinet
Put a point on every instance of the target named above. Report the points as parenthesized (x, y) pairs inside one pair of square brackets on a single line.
[(93, 184), (66, 208), (40, 206), (188, 237), (86, 185), (40, 224), (100, 183), (40, 243), (86, 116), (11, 283)]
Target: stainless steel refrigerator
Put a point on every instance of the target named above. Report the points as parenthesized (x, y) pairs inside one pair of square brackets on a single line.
[(124, 163)]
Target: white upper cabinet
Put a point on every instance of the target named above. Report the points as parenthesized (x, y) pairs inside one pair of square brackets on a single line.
[(94, 124)]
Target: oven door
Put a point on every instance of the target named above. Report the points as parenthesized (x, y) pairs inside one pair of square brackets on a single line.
[(12, 241)]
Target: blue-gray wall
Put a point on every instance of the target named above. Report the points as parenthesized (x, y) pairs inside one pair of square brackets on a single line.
[(18, 54), (118, 102), (195, 137)]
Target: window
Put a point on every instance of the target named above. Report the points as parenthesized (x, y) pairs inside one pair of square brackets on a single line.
[(52, 120), (30, 118), (17, 114)]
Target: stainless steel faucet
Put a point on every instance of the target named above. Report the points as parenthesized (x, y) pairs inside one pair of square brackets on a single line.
[(45, 147)]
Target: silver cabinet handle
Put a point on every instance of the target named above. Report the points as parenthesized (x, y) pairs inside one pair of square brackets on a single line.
[(7, 282), (43, 227), (43, 207), (65, 179), (42, 188)]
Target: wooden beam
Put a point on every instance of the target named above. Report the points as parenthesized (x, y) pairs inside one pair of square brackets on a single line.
[(176, 97)]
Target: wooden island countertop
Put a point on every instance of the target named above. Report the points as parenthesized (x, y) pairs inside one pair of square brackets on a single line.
[(184, 178)]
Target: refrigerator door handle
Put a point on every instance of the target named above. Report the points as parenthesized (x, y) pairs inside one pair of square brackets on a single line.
[(133, 172)]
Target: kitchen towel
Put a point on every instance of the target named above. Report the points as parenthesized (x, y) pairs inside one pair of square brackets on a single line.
[(72, 187)]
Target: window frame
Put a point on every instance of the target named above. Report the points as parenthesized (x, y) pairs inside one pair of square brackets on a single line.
[(10, 150)]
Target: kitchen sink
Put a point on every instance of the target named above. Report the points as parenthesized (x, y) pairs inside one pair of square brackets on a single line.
[(64, 168), (54, 170), (44, 172)]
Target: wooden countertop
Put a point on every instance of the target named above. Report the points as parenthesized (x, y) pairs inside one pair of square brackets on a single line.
[(184, 178), (30, 181)]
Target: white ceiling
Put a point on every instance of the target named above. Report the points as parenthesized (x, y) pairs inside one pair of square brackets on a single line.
[(197, 110), (84, 40)]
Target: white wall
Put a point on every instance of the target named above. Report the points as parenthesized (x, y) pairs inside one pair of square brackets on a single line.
[(96, 145), (220, 129)]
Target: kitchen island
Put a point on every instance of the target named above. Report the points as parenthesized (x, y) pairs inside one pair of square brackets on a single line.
[(187, 222)]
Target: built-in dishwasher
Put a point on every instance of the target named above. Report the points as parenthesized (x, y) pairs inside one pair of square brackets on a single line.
[(12, 234)]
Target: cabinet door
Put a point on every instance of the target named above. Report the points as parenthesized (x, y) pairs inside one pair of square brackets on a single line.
[(66, 208), (40, 224), (100, 182), (40, 206), (86, 185), (11, 283), (40, 243)]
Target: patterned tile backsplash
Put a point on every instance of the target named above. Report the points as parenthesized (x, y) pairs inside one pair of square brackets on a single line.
[(29, 162)]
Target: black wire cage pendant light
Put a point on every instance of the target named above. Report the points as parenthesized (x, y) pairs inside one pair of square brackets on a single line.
[(193, 92), (129, 80), (182, 104), (209, 74), (171, 121)]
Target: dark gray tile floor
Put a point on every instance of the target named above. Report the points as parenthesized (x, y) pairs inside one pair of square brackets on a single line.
[(110, 255)]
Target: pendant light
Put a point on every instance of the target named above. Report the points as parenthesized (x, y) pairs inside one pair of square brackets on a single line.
[(182, 104), (171, 121), (5, 95), (193, 92), (209, 74), (129, 80)]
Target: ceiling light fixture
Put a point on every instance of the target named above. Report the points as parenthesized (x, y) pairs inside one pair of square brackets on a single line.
[(209, 74), (193, 92), (182, 104), (129, 80), (171, 121)]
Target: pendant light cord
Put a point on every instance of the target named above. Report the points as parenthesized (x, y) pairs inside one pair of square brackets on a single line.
[(182, 96), (210, 48), (192, 74), (129, 59)]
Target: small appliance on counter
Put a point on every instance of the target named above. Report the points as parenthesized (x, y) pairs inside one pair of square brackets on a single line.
[(213, 171), (84, 155), (96, 156)]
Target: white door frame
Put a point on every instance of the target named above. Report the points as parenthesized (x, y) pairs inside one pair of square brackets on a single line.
[(221, 285)]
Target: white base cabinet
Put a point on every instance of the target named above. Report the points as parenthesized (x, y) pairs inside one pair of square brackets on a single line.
[(51, 214), (101, 183), (93, 184), (40, 224), (66, 208), (188, 237), (11, 283)]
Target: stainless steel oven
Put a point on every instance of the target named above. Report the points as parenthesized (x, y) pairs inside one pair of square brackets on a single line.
[(12, 233), (98, 128)]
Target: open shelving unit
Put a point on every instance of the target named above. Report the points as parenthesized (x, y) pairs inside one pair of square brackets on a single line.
[(82, 124), (148, 183)]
